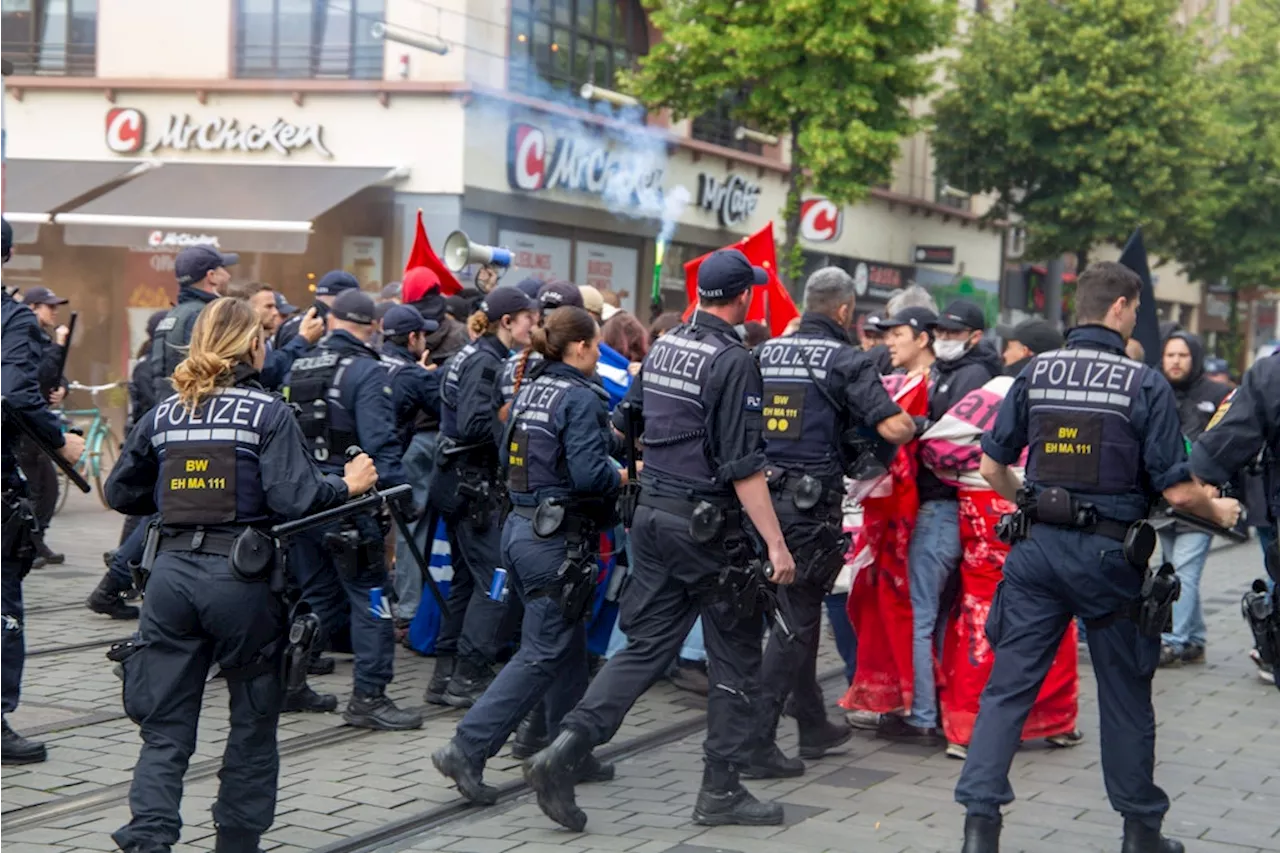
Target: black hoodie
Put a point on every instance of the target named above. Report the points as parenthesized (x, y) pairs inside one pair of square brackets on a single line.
[(952, 380), (1197, 397)]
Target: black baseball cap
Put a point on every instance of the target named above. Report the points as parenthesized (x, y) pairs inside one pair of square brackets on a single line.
[(405, 320), (42, 296), (557, 294), (1036, 335), (530, 287), (502, 301), (727, 272), (459, 306), (195, 262), (354, 306), (335, 282), (961, 314), (917, 317)]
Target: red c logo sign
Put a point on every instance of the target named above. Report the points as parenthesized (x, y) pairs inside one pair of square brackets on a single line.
[(125, 127), (526, 157), (820, 220)]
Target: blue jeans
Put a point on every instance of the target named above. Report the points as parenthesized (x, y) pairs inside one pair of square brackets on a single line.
[(1187, 552), (419, 463), (933, 557), (846, 640)]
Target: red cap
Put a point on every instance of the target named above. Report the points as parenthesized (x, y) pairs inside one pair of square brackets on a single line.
[(418, 282)]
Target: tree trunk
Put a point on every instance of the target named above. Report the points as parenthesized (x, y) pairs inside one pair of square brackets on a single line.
[(792, 263)]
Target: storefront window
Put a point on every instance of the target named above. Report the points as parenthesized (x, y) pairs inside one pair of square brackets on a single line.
[(54, 37), (308, 38), (557, 45), (718, 126)]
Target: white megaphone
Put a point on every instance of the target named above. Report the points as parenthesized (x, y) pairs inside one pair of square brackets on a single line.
[(460, 252)]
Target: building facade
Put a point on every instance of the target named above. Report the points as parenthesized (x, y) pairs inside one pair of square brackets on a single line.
[(294, 133)]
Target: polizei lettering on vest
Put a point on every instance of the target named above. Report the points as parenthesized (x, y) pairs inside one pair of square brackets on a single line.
[(683, 363), (788, 354), (1096, 375)]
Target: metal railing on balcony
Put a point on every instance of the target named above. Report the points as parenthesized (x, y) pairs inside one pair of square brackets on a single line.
[(54, 60), (305, 61)]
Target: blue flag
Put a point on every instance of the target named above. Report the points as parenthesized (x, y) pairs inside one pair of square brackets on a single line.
[(613, 373), (1147, 332)]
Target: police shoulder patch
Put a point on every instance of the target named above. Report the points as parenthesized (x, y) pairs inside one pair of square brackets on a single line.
[(752, 402), (1223, 407)]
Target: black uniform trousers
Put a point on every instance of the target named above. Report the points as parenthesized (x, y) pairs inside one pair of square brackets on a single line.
[(671, 583), (1055, 574), (42, 481), (13, 651), (197, 614), (790, 666), (477, 625)]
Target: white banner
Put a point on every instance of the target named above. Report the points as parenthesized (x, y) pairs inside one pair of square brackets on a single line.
[(608, 268)]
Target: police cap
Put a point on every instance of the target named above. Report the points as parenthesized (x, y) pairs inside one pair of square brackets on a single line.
[(405, 320), (557, 294), (335, 282), (195, 262), (502, 301), (727, 272), (354, 306)]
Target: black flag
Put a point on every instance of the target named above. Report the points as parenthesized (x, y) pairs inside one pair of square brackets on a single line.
[(1147, 331)]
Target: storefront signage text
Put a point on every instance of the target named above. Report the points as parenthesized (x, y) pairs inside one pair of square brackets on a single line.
[(582, 164), (732, 198), (820, 220), (126, 134), (179, 240), (941, 255)]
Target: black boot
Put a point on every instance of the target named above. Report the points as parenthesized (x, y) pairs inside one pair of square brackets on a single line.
[(817, 741), (552, 773), (236, 841), (377, 711), (440, 680), (1140, 838), (723, 801), (593, 769), (50, 557), (306, 699), (531, 737), (105, 599), (19, 750), (981, 834), (451, 763), (470, 680), (769, 762)]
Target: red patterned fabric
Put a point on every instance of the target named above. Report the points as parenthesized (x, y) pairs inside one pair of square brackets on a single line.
[(966, 655), (879, 601)]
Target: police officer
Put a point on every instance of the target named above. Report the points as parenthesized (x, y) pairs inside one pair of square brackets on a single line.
[(344, 398), (818, 389), (549, 296), (22, 349), (699, 391), (1103, 440), (202, 277), (330, 285), (245, 468), (465, 489), (563, 485), (416, 396)]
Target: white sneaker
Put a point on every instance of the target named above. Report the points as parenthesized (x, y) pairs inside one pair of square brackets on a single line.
[(1265, 672), (957, 750), (1064, 741), (867, 720)]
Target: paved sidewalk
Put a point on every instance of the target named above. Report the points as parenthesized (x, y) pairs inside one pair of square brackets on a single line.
[(1218, 759)]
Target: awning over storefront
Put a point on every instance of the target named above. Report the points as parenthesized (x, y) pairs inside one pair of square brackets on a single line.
[(35, 189), (250, 208)]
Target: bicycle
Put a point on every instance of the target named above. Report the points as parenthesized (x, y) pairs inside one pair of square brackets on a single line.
[(100, 444)]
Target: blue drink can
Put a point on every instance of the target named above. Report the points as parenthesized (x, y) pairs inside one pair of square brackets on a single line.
[(498, 587), (379, 607)]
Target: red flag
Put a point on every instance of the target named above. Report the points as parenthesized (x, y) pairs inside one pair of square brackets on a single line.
[(422, 255), (771, 303)]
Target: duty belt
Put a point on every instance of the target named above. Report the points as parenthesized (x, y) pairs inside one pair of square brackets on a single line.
[(572, 525), (1107, 527), (218, 543), (684, 507), (787, 484)]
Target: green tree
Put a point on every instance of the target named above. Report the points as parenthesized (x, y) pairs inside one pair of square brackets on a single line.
[(837, 76), (1086, 117)]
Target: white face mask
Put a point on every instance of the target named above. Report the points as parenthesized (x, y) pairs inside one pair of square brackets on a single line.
[(949, 350)]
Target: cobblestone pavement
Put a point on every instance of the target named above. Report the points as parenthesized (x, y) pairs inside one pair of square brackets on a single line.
[(1219, 757)]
